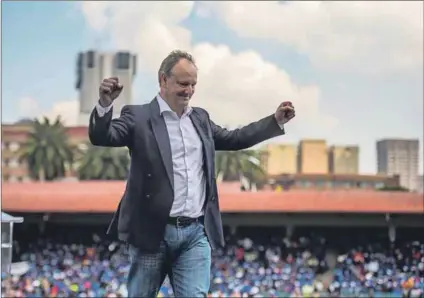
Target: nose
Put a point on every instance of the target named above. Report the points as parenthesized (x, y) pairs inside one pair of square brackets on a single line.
[(189, 89)]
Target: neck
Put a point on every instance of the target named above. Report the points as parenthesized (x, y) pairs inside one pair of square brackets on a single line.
[(177, 109)]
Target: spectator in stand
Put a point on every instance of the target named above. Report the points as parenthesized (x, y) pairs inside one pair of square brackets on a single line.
[(243, 269)]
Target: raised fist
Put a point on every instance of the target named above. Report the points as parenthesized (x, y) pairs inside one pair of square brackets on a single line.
[(285, 112), (109, 91)]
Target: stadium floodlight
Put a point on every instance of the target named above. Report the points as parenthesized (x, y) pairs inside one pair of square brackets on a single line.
[(7, 222)]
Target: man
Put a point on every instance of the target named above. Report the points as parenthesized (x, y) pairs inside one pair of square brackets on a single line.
[(169, 213)]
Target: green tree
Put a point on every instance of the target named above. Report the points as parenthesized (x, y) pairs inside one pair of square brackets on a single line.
[(239, 165), (103, 163), (47, 150)]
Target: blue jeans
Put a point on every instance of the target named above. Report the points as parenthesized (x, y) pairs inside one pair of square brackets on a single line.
[(185, 255)]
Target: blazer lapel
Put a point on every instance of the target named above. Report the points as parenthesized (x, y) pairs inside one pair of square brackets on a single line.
[(162, 138)]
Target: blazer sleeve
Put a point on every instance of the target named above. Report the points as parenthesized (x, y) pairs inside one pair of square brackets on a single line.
[(107, 132), (247, 136)]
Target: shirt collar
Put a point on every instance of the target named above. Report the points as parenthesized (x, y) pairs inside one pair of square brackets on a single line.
[(164, 107)]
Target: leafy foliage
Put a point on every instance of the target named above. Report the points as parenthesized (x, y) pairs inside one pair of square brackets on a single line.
[(101, 163), (47, 150)]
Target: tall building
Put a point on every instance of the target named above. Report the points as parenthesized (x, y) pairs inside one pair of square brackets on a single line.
[(312, 157), (399, 156), (279, 159), (92, 68), (343, 159)]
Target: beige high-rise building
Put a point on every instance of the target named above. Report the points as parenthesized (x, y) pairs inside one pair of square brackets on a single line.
[(312, 157), (279, 159), (399, 156), (92, 68), (343, 159)]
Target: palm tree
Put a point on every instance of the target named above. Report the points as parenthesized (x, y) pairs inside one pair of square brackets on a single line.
[(47, 150), (239, 165), (103, 163)]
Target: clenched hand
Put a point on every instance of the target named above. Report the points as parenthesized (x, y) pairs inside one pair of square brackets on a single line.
[(109, 91)]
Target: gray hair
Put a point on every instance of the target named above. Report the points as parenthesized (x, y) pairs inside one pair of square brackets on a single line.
[(171, 60)]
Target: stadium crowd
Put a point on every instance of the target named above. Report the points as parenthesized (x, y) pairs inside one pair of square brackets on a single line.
[(304, 266)]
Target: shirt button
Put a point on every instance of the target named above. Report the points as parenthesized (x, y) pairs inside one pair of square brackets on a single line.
[(147, 196), (149, 175)]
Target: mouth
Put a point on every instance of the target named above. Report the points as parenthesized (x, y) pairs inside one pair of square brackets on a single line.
[(185, 97)]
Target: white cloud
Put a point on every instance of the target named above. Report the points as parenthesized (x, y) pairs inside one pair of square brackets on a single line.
[(250, 87), (68, 110), (369, 37), (97, 12), (235, 88), (28, 107)]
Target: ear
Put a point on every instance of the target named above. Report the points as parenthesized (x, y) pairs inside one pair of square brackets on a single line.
[(162, 79)]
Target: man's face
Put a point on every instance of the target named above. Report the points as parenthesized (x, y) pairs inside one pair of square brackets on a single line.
[(180, 86)]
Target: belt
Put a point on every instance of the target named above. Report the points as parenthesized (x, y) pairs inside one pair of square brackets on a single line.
[(182, 221)]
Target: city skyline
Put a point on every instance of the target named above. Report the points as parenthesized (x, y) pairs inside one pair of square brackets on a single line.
[(346, 89), (282, 166)]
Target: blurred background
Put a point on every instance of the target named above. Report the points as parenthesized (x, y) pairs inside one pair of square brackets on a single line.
[(333, 208)]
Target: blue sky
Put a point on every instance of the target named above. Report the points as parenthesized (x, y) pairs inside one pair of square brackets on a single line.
[(39, 45), (356, 100)]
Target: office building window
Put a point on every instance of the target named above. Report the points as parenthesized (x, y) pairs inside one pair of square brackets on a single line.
[(90, 59), (378, 185), (347, 184), (123, 60), (320, 184), (363, 184), (303, 184), (134, 64), (14, 146), (14, 163), (80, 66)]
